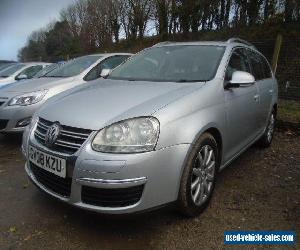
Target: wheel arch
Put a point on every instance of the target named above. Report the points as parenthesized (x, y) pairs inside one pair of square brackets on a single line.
[(216, 133), (218, 137)]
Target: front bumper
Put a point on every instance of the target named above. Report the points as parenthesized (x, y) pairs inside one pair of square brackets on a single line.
[(158, 172), (14, 114)]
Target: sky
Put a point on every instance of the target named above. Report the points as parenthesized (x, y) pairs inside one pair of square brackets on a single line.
[(18, 18)]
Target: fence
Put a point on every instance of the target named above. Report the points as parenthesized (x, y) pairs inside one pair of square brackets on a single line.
[(288, 66)]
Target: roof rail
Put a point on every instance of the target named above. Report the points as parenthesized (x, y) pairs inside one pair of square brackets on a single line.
[(162, 43), (238, 40)]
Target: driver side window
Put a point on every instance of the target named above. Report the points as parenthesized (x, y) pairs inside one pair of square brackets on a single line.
[(109, 63), (238, 62)]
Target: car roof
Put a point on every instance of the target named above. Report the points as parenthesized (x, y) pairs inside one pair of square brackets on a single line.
[(232, 42), (191, 43), (35, 63), (111, 54)]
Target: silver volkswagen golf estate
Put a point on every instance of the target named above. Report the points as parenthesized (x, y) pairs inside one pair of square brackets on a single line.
[(156, 131)]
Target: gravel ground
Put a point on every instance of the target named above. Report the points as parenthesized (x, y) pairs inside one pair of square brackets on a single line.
[(259, 191)]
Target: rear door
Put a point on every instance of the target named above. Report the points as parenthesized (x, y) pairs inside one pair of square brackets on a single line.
[(262, 72), (241, 106)]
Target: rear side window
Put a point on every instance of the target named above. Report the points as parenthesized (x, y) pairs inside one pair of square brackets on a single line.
[(109, 63), (238, 62)]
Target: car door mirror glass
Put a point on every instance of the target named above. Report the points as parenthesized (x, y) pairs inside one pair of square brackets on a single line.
[(105, 72)]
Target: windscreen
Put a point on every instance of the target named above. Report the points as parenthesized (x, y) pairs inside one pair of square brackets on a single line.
[(46, 70), (176, 63), (11, 70), (5, 66), (74, 67)]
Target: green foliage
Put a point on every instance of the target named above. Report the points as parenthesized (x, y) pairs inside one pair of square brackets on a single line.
[(59, 42), (289, 111)]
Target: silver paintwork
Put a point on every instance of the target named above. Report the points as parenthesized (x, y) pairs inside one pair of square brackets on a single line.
[(184, 110), (54, 85)]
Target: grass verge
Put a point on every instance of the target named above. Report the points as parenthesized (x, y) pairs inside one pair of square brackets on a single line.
[(289, 111)]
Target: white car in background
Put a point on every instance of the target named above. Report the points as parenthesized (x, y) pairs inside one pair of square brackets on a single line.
[(20, 100), (20, 71)]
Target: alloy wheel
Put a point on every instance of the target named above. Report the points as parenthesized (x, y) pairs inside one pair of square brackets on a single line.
[(203, 175)]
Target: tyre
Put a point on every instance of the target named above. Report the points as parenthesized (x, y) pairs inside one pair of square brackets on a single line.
[(199, 176), (266, 139)]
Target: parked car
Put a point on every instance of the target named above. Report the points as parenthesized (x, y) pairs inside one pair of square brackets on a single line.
[(19, 101), (156, 131), (20, 71)]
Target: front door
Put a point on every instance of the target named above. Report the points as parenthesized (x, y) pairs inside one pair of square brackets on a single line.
[(241, 107)]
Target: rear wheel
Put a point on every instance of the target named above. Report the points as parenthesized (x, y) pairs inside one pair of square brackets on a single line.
[(199, 176), (266, 139)]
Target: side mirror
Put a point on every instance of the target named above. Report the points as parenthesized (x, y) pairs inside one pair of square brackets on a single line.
[(22, 77), (240, 79), (105, 72)]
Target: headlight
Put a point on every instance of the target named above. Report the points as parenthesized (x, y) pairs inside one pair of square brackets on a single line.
[(28, 98), (129, 136)]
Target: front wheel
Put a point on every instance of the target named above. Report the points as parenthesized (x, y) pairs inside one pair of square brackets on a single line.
[(199, 176)]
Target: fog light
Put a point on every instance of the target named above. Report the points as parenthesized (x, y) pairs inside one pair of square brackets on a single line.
[(24, 122)]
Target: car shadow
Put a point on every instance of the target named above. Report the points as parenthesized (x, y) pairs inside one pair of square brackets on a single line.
[(11, 139), (10, 143)]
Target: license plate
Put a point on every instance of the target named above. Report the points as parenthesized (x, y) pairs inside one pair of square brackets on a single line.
[(48, 162)]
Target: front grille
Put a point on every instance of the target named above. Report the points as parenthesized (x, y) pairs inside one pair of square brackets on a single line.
[(3, 124), (69, 140), (117, 197), (58, 185)]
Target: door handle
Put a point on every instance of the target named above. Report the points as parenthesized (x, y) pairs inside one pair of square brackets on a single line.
[(256, 97)]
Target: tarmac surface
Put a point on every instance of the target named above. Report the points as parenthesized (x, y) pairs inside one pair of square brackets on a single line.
[(259, 191)]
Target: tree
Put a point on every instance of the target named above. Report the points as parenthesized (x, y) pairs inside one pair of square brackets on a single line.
[(162, 10), (59, 42), (86, 26)]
